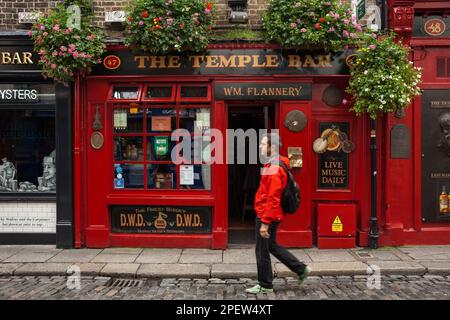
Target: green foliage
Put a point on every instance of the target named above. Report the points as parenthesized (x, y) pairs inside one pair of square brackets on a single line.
[(382, 78), (164, 26), (66, 49), (305, 23)]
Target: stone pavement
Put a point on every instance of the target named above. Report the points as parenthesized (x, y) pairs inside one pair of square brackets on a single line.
[(233, 263), (429, 287)]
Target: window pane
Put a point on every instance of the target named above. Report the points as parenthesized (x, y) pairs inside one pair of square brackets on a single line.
[(195, 119), (129, 120), (440, 67), (128, 148), (125, 92), (197, 176), (27, 151), (195, 150), (194, 91), (161, 176), (161, 120), (128, 176), (159, 92), (159, 148)]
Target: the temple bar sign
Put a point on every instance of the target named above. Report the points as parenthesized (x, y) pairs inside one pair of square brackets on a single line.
[(224, 61), (252, 91)]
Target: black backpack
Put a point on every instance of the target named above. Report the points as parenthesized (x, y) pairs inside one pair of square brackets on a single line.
[(290, 198)]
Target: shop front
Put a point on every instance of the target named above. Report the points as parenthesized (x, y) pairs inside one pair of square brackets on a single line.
[(135, 109), (35, 135)]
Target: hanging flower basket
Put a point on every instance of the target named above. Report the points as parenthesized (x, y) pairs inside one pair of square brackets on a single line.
[(310, 23), (164, 26), (382, 78), (65, 47)]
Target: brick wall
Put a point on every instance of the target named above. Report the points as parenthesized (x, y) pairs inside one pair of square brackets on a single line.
[(9, 10), (20, 217)]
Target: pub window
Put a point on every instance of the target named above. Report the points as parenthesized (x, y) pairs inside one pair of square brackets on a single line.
[(443, 67), (27, 150), (194, 92), (143, 147), (125, 92), (160, 93)]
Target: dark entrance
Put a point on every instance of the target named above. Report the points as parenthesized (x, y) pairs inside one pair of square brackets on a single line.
[(243, 179)]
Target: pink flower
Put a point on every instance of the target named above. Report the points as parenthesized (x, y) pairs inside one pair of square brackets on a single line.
[(67, 31), (56, 27), (344, 101), (303, 30), (45, 34), (63, 48), (141, 23), (55, 54), (345, 34), (346, 47), (328, 3), (331, 29), (346, 21), (42, 27), (372, 46), (293, 25), (374, 35), (196, 14), (99, 61), (207, 11), (337, 16), (72, 46), (30, 33), (353, 35), (75, 54), (359, 28), (53, 66), (42, 52)]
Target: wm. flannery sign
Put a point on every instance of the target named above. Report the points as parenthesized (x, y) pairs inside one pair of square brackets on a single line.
[(220, 61), (252, 91)]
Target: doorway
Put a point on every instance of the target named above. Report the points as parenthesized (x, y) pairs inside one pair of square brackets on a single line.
[(243, 179)]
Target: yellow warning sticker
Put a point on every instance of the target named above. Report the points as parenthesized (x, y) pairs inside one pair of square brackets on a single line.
[(337, 225)]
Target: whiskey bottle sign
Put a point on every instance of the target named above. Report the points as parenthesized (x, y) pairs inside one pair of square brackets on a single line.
[(443, 201)]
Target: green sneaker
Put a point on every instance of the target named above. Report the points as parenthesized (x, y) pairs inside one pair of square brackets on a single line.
[(258, 289), (304, 275)]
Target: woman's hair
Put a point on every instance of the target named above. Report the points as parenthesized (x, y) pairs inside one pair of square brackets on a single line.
[(273, 138)]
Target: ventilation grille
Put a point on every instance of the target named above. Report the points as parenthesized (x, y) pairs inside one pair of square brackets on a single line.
[(124, 283)]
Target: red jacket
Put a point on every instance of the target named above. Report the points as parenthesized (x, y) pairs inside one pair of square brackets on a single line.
[(268, 196)]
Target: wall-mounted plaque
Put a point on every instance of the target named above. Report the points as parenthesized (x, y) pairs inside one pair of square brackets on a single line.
[(332, 96), (400, 142), (97, 140), (164, 219), (295, 121)]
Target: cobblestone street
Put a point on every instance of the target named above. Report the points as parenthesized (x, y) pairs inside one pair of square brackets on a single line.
[(324, 287)]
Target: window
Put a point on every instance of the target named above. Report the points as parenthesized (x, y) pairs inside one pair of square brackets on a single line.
[(144, 150), (443, 67), (125, 92), (27, 150)]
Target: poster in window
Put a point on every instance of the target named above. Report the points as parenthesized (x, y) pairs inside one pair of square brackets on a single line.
[(187, 175), (161, 146), (161, 123), (120, 119)]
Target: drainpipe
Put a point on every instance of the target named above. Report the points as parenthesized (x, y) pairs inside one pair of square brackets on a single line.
[(373, 233)]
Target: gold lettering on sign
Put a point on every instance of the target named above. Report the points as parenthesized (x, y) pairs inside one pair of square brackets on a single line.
[(141, 61), (16, 58), (132, 220), (174, 62), (229, 62), (440, 175), (333, 172), (188, 220)]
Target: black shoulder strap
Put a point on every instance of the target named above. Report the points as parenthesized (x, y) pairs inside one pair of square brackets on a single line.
[(283, 165)]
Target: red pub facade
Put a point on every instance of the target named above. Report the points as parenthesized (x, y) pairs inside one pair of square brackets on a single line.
[(129, 192)]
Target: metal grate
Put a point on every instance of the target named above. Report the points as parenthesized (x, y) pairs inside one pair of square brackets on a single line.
[(124, 283), (363, 254)]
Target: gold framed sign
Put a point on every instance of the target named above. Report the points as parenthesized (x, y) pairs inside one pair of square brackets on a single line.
[(97, 140)]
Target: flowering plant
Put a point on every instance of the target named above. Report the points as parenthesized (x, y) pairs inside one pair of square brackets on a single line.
[(382, 78), (163, 26), (66, 42), (328, 24)]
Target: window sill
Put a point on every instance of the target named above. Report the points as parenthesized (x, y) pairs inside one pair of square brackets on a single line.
[(27, 196)]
